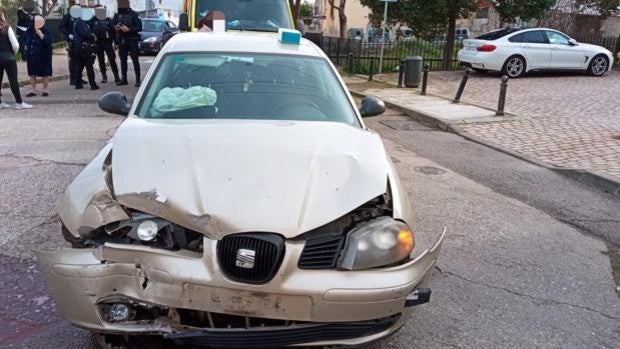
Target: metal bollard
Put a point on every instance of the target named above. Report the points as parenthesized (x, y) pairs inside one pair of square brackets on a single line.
[(401, 73), (424, 79), (459, 92), (372, 68), (350, 63), (503, 88)]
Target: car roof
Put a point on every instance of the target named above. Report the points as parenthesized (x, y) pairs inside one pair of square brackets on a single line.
[(239, 41)]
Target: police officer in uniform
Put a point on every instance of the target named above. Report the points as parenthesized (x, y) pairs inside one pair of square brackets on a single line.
[(24, 21), (84, 49), (104, 31), (66, 28), (127, 25)]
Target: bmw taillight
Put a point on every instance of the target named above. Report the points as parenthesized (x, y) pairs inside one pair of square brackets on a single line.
[(486, 48)]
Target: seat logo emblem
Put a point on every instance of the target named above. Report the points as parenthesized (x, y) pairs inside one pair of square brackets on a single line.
[(245, 258)]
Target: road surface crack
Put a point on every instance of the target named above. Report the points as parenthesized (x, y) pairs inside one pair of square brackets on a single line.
[(42, 161), (524, 295)]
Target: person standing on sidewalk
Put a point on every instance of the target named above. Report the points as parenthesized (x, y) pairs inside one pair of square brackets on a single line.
[(66, 28), (38, 41), (128, 25), (9, 46), (24, 21), (106, 36), (84, 41)]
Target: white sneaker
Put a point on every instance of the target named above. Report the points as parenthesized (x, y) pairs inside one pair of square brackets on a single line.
[(3, 105), (23, 105)]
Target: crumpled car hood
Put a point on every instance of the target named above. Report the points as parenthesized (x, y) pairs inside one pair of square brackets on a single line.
[(221, 177)]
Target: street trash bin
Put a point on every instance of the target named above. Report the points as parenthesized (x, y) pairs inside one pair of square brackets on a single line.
[(413, 71)]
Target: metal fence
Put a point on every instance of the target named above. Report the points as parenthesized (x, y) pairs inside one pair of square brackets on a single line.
[(359, 57)]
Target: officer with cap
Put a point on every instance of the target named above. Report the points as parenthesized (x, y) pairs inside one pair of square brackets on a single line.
[(128, 25), (104, 31), (84, 48), (66, 28), (25, 20)]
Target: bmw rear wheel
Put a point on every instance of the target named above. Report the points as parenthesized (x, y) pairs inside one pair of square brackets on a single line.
[(598, 66), (514, 67)]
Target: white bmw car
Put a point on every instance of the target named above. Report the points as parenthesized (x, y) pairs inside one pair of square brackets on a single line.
[(515, 52)]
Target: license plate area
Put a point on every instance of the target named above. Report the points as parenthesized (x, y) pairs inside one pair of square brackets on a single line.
[(249, 303)]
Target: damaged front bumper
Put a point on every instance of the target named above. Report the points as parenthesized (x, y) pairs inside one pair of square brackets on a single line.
[(184, 295)]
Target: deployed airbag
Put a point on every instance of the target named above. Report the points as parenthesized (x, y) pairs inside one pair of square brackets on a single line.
[(177, 98)]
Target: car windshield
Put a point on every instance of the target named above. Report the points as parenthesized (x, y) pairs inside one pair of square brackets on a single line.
[(496, 34), (152, 26), (245, 86), (256, 15)]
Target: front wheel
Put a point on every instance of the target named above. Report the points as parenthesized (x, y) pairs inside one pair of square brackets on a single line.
[(598, 66), (514, 67)]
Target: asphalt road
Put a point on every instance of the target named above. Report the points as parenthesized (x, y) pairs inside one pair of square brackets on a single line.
[(523, 265)]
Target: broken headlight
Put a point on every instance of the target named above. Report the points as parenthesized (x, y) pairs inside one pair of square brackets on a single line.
[(380, 242), (141, 229)]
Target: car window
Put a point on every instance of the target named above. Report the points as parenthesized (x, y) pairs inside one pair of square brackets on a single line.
[(496, 34), (171, 25), (152, 26), (258, 15), (534, 37), (557, 38), (245, 86)]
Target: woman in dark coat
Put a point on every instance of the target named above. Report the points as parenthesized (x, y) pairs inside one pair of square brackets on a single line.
[(38, 42)]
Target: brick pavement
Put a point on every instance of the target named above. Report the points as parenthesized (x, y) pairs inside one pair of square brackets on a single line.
[(567, 120)]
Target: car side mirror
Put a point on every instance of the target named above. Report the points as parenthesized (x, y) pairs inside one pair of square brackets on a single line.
[(183, 22), (114, 103), (572, 42), (372, 106)]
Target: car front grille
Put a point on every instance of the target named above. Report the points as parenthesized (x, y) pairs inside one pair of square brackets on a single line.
[(268, 337), (250, 258), (321, 253)]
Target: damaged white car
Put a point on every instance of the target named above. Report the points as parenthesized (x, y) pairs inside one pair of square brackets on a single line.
[(242, 203)]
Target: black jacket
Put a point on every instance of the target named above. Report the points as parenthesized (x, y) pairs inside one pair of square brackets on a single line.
[(66, 26), (82, 34), (25, 20), (130, 19), (103, 30)]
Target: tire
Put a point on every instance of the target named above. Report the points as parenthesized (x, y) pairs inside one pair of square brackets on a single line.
[(514, 67), (598, 65)]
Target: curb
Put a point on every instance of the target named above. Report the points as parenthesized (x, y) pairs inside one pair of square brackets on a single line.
[(592, 178)]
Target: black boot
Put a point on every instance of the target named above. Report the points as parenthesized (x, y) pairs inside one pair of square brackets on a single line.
[(138, 83), (104, 78), (122, 82), (94, 87)]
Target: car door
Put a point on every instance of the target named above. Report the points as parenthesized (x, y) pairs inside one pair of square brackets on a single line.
[(168, 32), (535, 47), (563, 54)]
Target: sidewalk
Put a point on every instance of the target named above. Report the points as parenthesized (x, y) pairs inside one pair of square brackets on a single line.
[(564, 145)]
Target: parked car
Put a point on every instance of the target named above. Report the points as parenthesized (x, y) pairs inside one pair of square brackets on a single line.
[(515, 52), (242, 203), (155, 33)]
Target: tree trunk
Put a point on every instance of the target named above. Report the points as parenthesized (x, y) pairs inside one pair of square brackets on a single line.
[(450, 36), (295, 4), (342, 18)]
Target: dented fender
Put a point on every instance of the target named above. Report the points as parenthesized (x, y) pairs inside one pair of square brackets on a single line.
[(88, 202)]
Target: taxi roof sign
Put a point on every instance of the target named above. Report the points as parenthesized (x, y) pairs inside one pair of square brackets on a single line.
[(289, 36)]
